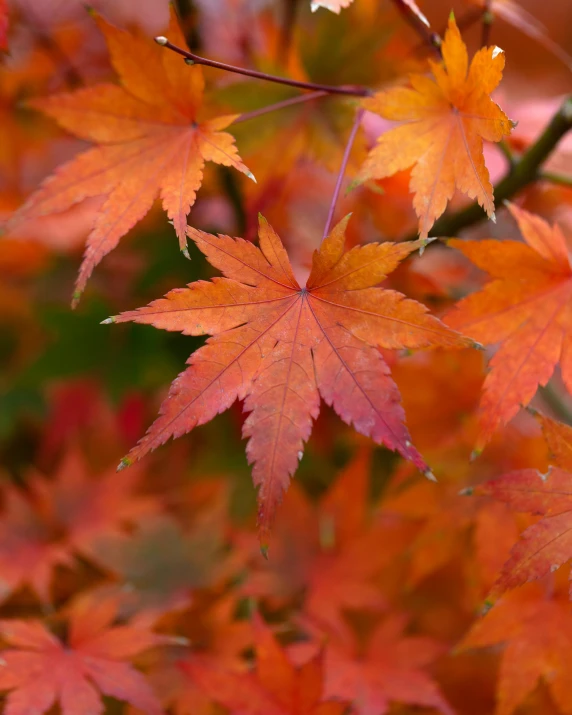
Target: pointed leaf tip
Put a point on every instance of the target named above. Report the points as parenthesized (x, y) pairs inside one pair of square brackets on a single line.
[(125, 462), (185, 252), (179, 640), (108, 321), (251, 176), (475, 454), (354, 183), (425, 242), (487, 605), (429, 475), (264, 550), (466, 492), (160, 40)]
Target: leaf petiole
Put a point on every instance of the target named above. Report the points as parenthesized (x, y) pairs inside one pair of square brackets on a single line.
[(280, 105), (341, 174)]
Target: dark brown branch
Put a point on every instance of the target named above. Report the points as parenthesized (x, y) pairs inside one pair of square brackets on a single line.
[(191, 58)]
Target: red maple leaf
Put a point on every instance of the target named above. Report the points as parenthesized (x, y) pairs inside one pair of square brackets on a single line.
[(537, 633), (330, 553), (40, 670), (45, 525), (547, 544), (280, 347), (3, 25), (276, 687), (389, 670)]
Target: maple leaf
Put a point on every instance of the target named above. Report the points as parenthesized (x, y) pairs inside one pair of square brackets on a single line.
[(547, 544), (443, 122), (329, 553), (44, 526), (276, 687), (280, 347), (149, 141), (40, 670), (388, 670), (538, 634), (475, 534), (3, 25), (28, 550), (217, 637), (526, 309)]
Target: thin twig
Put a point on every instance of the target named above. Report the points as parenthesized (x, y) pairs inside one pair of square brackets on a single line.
[(464, 22), (342, 172), (280, 105), (558, 179), (350, 91), (525, 171), (430, 38), (488, 19)]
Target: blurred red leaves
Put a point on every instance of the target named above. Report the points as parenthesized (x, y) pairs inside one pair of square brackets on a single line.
[(145, 591)]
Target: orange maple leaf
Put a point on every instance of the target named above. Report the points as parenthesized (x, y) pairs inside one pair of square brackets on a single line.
[(452, 529), (217, 637), (526, 308), (547, 544), (279, 347), (41, 670), (149, 142), (537, 632), (277, 687), (443, 122)]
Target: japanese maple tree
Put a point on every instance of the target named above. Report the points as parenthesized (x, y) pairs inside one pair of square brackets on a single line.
[(381, 321)]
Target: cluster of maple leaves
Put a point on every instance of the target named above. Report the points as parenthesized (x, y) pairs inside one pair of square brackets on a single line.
[(414, 563)]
